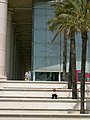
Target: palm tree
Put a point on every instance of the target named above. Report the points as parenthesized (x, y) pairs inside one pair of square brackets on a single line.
[(60, 23), (70, 69), (83, 24), (73, 64), (81, 15), (84, 27), (84, 47), (64, 56), (75, 15)]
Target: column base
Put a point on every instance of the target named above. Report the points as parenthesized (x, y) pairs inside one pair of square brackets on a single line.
[(3, 78)]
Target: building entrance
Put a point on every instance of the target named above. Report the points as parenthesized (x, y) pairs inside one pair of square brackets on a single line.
[(46, 76)]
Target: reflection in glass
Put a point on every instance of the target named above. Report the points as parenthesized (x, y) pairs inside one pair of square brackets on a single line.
[(47, 57)]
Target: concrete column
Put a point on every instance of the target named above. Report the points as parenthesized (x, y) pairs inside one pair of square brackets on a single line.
[(59, 76), (3, 23), (8, 44), (12, 54), (33, 75), (16, 64)]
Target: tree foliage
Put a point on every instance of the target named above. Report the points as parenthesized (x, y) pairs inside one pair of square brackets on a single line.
[(73, 16)]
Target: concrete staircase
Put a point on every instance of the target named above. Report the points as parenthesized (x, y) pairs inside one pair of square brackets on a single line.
[(26, 100)]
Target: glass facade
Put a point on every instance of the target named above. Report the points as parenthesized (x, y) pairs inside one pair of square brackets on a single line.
[(47, 57)]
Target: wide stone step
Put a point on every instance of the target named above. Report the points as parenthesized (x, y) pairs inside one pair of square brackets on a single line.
[(62, 105), (39, 103), (49, 111), (22, 100), (39, 84), (32, 84), (43, 116), (38, 92), (33, 93)]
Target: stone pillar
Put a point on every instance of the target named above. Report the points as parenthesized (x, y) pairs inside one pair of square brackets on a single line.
[(8, 44), (12, 53), (14, 58), (3, 23)]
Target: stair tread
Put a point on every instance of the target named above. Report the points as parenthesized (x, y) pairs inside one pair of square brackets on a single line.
[(47, 113), (39, 99), (26, 98)]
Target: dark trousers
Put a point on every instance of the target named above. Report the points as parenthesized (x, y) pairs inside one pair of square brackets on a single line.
[(54, 96)]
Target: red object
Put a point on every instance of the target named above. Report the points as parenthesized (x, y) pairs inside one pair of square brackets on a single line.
[(87, 75), (77, 71)]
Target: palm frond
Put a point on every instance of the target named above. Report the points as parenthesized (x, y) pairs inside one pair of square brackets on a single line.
[(69, 15)]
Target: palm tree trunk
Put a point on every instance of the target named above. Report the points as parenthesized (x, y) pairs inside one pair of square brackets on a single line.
[(73, 65), (83, 64), (64, 56), (70, 70)]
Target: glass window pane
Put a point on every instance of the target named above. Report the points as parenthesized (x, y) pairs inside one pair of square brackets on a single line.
[(53, 64), (39, 65), (40, 36), (39, 50), (39, 22)]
